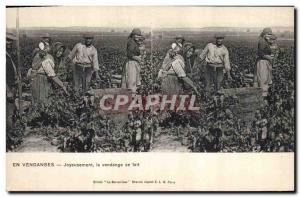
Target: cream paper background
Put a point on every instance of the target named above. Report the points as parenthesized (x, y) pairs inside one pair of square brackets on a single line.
[(152, 16), (190, 171)]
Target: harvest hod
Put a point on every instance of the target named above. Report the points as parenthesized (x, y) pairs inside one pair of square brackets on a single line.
[(228, 122)]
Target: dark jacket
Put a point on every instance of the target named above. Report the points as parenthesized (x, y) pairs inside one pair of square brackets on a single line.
[(132, 49), (10, 70), (263, 48)]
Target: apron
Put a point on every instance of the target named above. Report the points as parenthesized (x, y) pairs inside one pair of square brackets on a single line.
[(40, 84), (131, 75)]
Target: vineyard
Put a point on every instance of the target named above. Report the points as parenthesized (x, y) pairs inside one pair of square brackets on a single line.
[(73, 124)]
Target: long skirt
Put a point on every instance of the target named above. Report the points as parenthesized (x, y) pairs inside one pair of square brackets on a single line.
[(40, 88), (171, 85), (264, 75), (131, 76)]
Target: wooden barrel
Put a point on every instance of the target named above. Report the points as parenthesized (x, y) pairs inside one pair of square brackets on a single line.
[(118, 116), (249, 100)]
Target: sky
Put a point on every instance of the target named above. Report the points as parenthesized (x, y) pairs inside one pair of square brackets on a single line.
[(156, 17)]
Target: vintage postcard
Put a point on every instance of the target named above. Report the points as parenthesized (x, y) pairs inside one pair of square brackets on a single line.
[(150, 98)]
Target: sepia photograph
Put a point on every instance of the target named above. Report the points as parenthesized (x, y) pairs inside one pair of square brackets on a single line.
[(150, 79), (75, 88)]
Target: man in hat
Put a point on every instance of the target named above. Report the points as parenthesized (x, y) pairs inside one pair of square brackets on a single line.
[(11, 78), (216, 57), (85, 59)]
